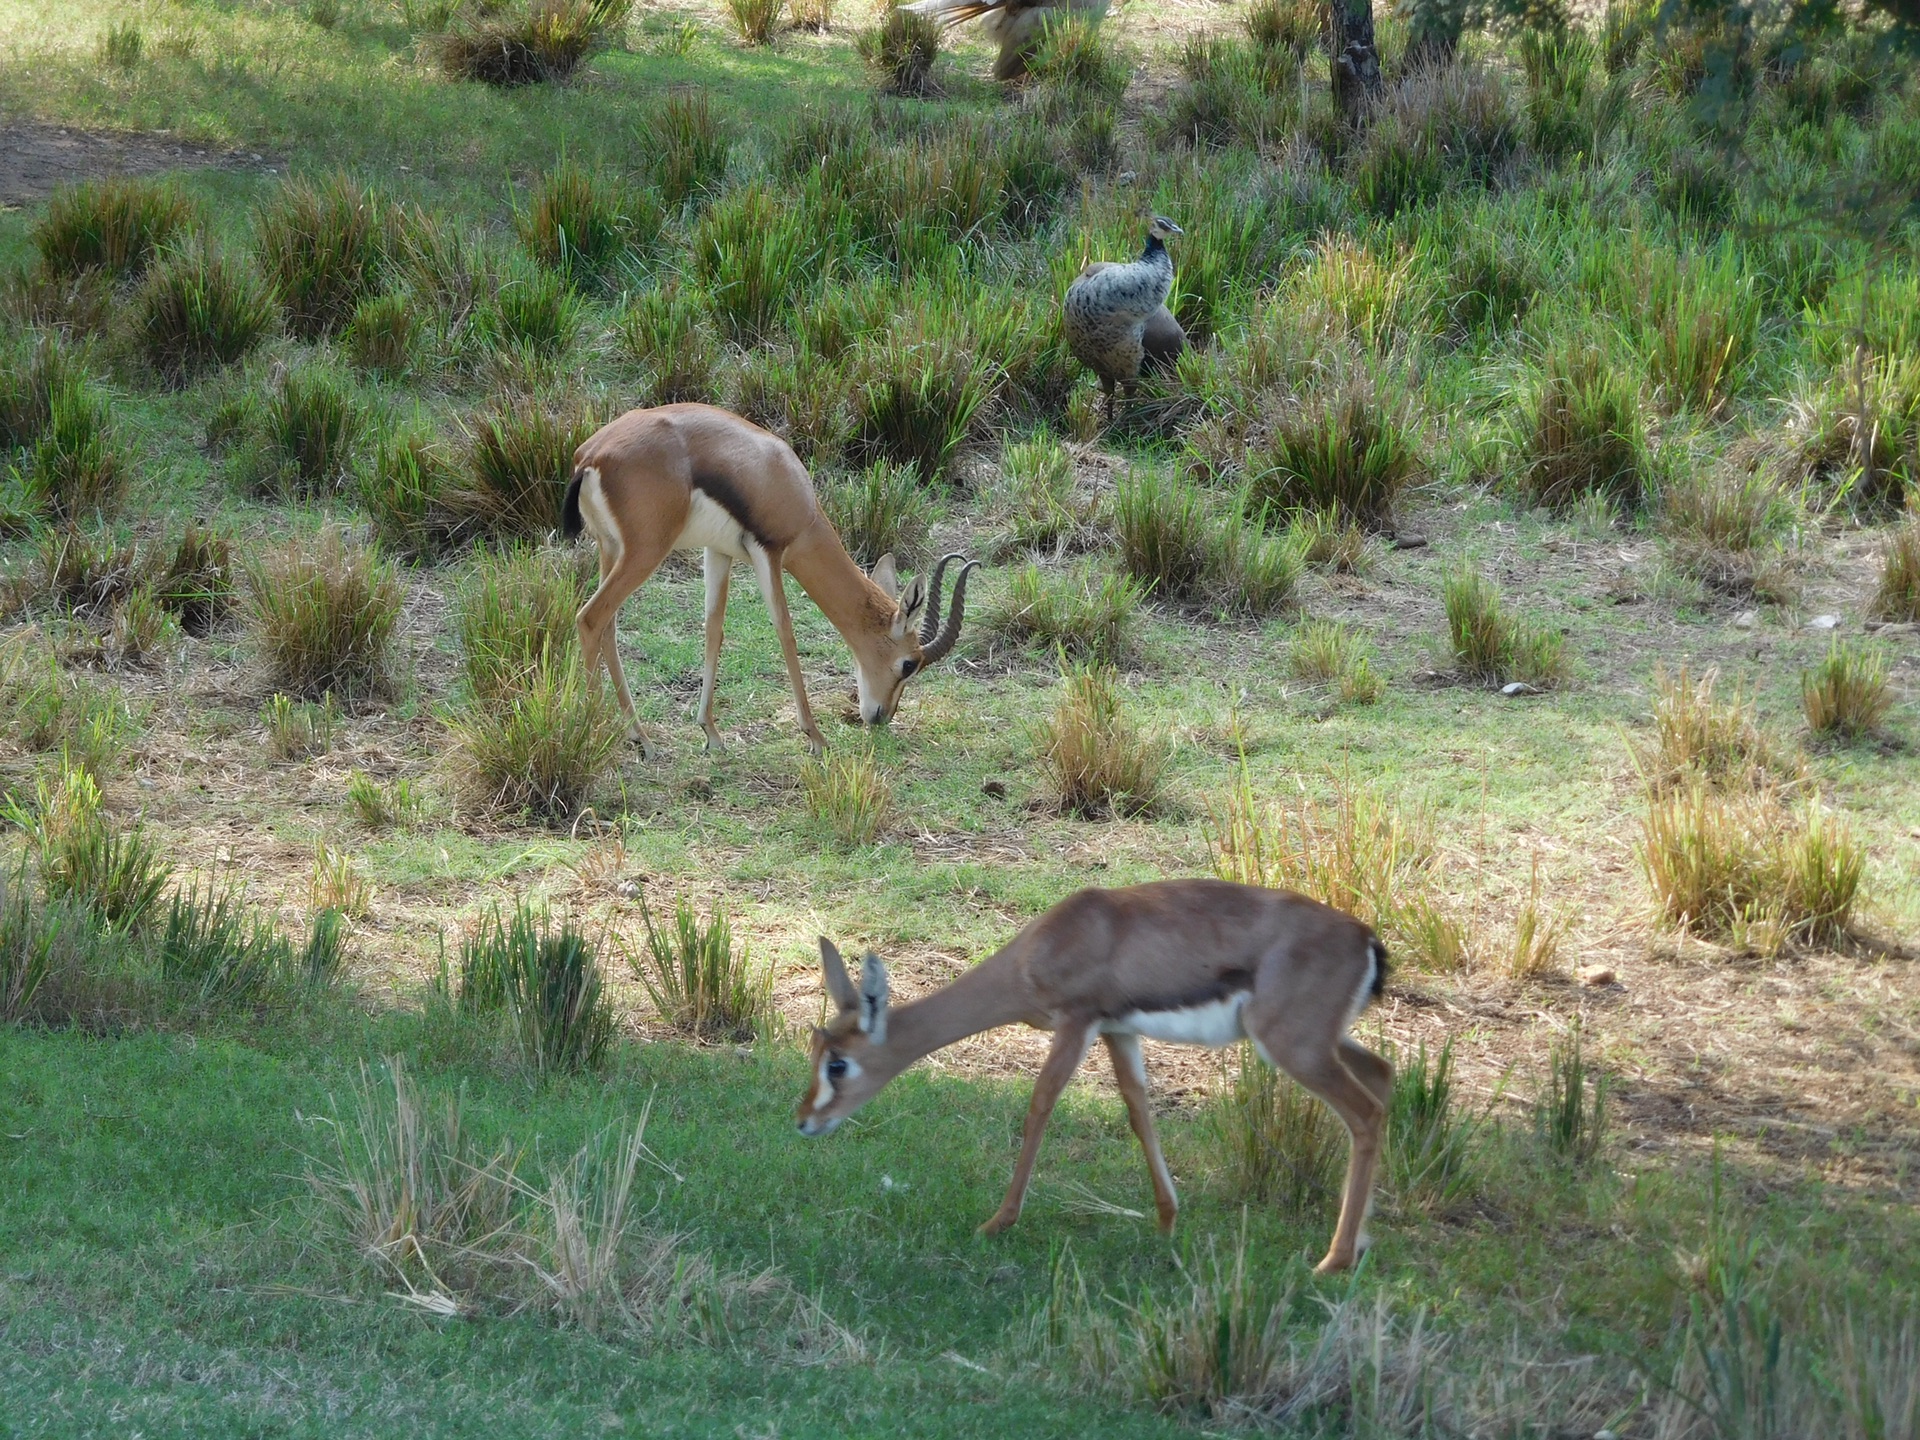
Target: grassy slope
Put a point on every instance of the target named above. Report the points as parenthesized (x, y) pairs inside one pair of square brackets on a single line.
[(150, 1213)]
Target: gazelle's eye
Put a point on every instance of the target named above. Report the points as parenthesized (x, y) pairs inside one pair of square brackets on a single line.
[(836, 1068), (908, 666)]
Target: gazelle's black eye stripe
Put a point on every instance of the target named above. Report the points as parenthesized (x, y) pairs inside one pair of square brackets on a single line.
[(836, 1068)]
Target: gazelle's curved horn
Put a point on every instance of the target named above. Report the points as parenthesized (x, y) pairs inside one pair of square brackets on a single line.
[(930, 621), (949, 633)]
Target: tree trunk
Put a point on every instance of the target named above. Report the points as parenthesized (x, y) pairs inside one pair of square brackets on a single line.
[(1355, 60)]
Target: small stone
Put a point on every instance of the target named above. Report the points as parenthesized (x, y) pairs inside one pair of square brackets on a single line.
[(1518, 687), (628, 889), (1824, 622), (996, 789), (1597, 975), (1899, 627), (1409, 542), (1745, 620), (700, 788)]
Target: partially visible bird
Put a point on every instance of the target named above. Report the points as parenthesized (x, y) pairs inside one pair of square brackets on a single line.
[(1117, 319), (1015, 24)]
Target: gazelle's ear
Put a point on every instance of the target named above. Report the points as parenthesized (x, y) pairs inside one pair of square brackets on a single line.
[(912, 605), (873, 998), (834, 972), (885, 576)]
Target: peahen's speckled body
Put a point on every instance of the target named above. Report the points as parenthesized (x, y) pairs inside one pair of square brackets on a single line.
[(1111, 308)]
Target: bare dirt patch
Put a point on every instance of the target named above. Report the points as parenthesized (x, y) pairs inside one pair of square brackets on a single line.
[(35, 158)]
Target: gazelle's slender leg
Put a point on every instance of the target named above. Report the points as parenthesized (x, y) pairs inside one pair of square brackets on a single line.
[(766, 569), (718, 569), (1131, 1073), (1321, 1069), (1371, 1070), (596, 621), (1070, 1042)]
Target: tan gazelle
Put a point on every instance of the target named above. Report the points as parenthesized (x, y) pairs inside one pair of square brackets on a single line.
[(692, 477), (1195, 962)]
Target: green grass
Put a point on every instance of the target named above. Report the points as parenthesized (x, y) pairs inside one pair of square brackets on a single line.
[(879, 283)]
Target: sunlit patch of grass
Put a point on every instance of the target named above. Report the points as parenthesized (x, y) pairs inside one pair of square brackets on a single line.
[(1328, 653), (1083, 614), (701, 982), (849, 794), (1493, 644), (544, 747), (1846, 695)]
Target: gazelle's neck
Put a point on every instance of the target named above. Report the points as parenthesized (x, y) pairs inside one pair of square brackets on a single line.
[(991, 994), (849, 600)]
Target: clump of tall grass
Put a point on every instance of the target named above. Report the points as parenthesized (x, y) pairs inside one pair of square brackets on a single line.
[(883, 509), (338, 884), (900, 51), (215, 951), (519, 460), (755, 20), (1232, 93), (404, 487), (83, 857), (1436, 128), (1347, 453), (52, 712), (1701, 736), (321, 244), (1747, 868), (76, 465), (701, 983), (383, 336), (531, 313), (1570, 1113), (528, 42), (917, 396), (1429, 1159), (321, 611), (1701, 321), (306, 434), (1082, 614), (545, 978), (1583, 433), (1859, 431), (1355, 852), (1294, 25), (666, 330), (1348, 292), (1098, 758), (1722, 522), (813, 15), (1846, 696), (849, 794), (1325, 652), (513, 613), (1896, 592), (544, 747), (198, 310), (34, 368), (688, 143), (579, 222), (117, 224), (1283, 1145), (1491, 643), (1175, 542), (749, 252)]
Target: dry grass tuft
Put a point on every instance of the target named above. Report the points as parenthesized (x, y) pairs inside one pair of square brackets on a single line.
[(1083, 614), (1896, 595), (1845, 696), (544, 747), (1700, 736), (1283, 1146), (1098, 759), (849, 794), (1747, 869), (546, 41), (1494, 645), (339, 884), (321, 610), (1325, 652)]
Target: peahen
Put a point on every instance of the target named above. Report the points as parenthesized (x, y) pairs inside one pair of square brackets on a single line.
[(1117, 319), (1015, 24)]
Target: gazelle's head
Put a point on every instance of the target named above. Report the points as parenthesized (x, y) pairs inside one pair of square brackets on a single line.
[(887, 655), (1163, 229), (843, 1050)]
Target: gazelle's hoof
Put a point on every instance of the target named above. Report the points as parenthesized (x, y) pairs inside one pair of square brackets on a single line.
[(715, 745), (1000, 1221), (1333, 1264), (1167, 1217)]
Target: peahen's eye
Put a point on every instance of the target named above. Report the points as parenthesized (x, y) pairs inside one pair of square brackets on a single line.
[(836, 1069)]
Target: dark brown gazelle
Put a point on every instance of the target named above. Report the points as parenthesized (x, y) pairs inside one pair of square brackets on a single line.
[(693, 477), (1194, 962)]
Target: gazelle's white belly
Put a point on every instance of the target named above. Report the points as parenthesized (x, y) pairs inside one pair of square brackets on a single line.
[(710, 527), (1214, 1025)]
